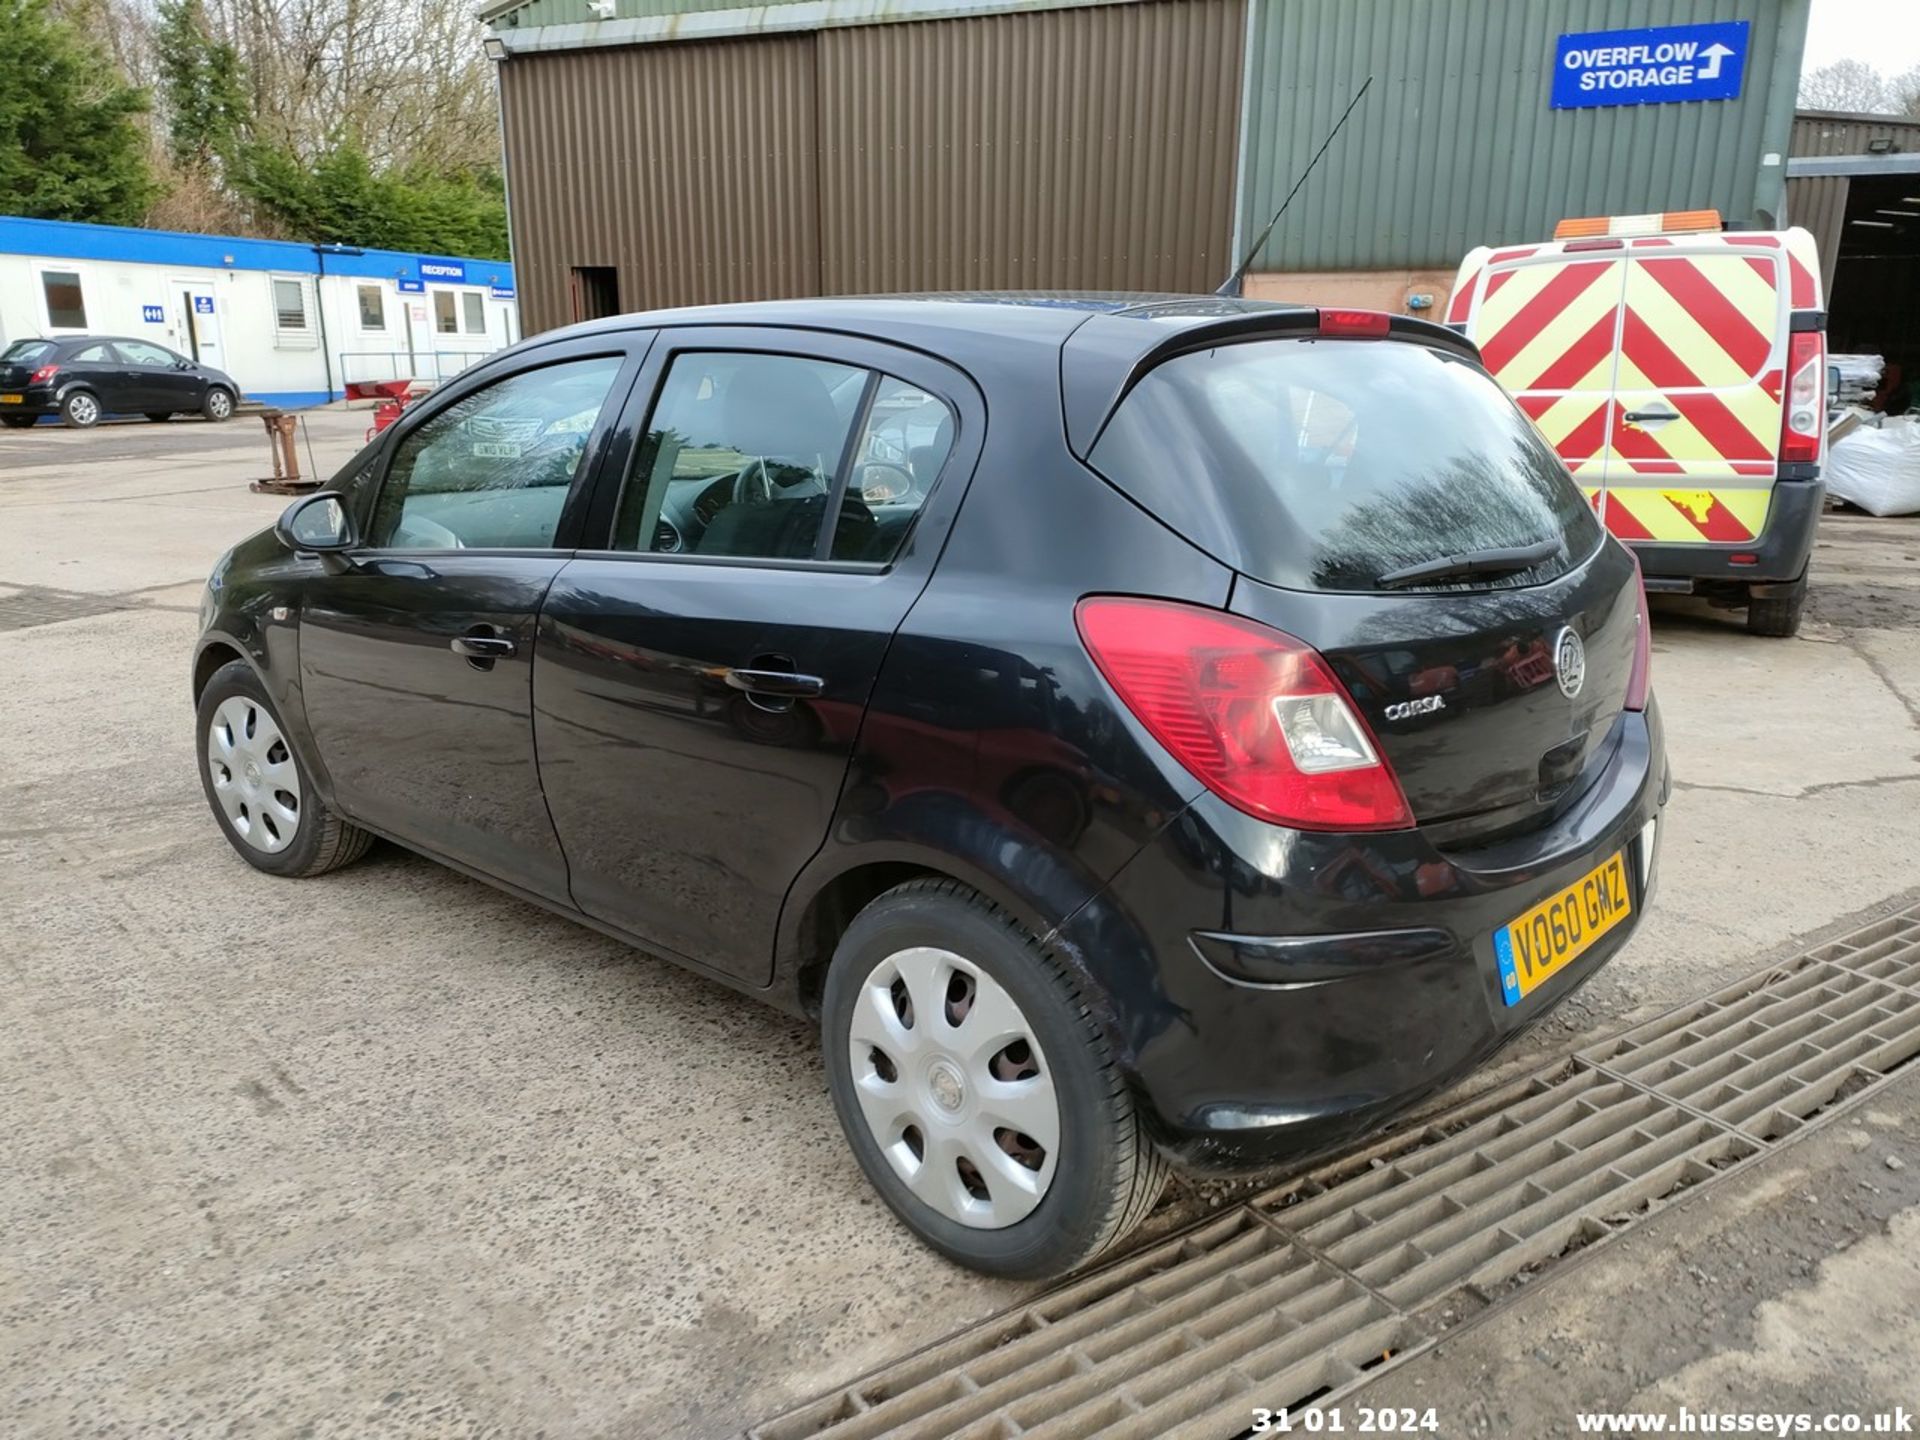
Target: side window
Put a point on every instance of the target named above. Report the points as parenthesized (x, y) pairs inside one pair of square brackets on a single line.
[(493, 470), (476, 311), (66, 303), (94, 355), (740, 456), (373, 307), (907, 438), (141, 353), (746, 454), (444, 321)]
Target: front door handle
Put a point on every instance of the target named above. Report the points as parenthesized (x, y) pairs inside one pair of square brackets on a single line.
[(1636, 417), (780, 684), (482, 647)]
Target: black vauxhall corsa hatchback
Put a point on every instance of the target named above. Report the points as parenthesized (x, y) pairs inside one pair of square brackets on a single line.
[(83, 378), (1182, 732)]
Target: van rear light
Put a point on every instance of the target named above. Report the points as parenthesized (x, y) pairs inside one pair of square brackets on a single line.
[(1253, 713), (1640, 676), (43, 374), (1806, 398), (1357, 324)]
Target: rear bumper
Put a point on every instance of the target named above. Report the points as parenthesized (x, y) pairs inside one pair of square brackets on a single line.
[(35, 400), (1378, 980), (1780, 550)]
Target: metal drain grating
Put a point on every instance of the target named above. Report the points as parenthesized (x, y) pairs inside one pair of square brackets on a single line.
[(32, 605), (1296, 1295)]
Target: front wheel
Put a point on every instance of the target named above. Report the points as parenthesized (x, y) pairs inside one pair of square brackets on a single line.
[(80, 411), (262, 799), (1778, 615), (976, 1089), (218, 405)]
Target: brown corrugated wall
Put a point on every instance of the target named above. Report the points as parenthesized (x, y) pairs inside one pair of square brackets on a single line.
[(1091, 148), (691, 168)]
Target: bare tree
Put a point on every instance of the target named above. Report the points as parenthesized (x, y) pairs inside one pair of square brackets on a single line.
[(1853, 85)]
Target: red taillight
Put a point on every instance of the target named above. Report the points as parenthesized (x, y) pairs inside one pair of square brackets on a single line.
[(1640, 677), (1806, 410), (1362, 324), (1255, 714), (44, 374)]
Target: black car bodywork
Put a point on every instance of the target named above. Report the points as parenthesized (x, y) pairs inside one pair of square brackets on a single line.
[(124, 375), (1268, 989)]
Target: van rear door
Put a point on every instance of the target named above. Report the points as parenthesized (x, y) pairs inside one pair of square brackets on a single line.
[(1547, 321), (1697, 407)]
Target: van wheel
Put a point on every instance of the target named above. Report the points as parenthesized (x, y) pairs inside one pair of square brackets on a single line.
[(976, 1089), (1778, 615)]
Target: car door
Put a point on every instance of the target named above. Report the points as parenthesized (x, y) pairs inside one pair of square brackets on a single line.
[(158, 379), (699, 680), (416, 653)]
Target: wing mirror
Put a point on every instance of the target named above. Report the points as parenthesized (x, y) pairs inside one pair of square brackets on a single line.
[(318, 524)]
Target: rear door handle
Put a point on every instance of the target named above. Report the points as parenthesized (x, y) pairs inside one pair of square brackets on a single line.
[(783, 684), (1636, 417), (482, 647)]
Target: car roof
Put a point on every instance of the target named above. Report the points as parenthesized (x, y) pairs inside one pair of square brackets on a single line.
[(1092, 344)]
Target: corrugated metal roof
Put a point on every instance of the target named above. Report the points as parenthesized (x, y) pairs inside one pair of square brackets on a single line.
[(529, 25), (1456, 144)]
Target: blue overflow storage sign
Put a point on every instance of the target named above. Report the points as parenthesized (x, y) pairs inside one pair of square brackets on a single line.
[(1647, 67)]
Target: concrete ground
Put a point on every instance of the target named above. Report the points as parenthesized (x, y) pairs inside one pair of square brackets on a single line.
[(393, 1154)]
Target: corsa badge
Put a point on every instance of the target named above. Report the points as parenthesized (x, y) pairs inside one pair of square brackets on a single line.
[(1407, 709)]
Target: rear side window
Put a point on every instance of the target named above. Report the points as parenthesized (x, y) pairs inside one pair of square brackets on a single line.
[(753, 456), (1324, 464)]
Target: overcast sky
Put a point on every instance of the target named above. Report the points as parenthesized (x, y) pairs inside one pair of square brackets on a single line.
[(1884, 33)]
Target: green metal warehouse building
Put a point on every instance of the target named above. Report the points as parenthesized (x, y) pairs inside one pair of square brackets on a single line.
[(665, 152)]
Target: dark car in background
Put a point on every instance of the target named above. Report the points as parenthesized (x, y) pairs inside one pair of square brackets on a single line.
[(1139, 733), (82, 378)]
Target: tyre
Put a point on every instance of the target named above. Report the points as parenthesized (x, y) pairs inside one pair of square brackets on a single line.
[(264, 802), (18, 422), (159, 417), (1778, 615), (80, 410), (979, 1094), (219, 403)]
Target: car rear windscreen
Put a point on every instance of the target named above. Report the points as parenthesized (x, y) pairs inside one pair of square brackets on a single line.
[(25, 352), (1325, 464)]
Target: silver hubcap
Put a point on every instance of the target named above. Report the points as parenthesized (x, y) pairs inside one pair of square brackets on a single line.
[(954, 1087), (218, 404), (254, 777), (84, 409)]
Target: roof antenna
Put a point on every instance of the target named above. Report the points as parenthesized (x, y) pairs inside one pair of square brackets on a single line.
[(1232, 287)]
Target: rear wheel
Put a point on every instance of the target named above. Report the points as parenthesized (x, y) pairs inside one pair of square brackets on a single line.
[(219, 403), (159, 417), (261, 797), (976, 1089), (1778, 615), (17, 422), (80, 410)]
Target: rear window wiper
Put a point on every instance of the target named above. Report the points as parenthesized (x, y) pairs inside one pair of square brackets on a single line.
[(1506, 561)]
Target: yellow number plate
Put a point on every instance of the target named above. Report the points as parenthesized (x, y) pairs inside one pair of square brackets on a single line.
[(13, 399), (1554, 933)]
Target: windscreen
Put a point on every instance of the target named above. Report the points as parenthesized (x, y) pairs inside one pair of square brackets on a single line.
[(25, 352), (1327, 464)]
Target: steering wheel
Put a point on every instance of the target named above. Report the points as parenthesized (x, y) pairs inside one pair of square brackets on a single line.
[(755, 483)]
